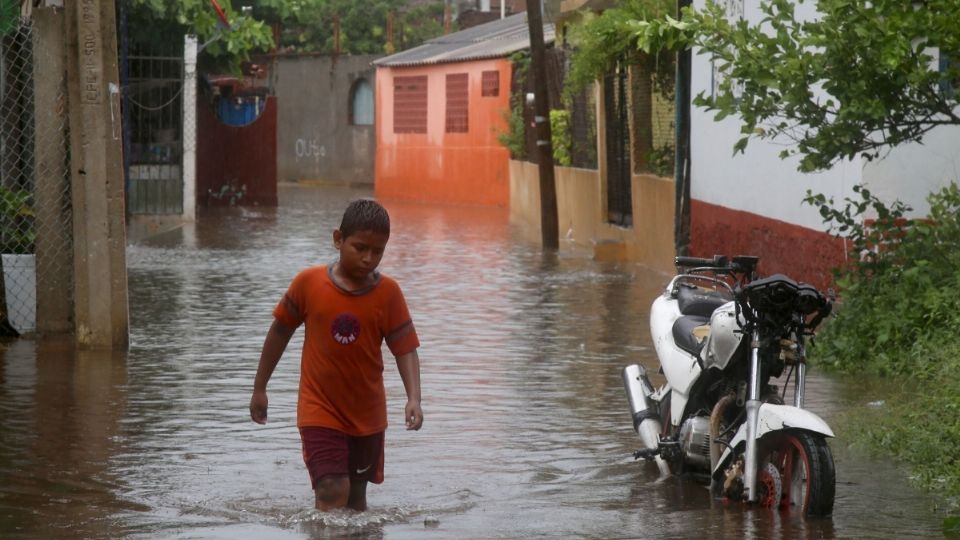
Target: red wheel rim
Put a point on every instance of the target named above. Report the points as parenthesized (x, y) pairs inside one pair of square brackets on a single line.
[(770, 487), (788, 450)]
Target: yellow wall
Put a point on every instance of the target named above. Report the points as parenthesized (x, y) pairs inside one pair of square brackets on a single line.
[(582, 214)]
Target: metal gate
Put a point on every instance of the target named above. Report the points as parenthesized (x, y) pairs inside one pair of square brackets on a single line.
[(153, 130), (619, 200)]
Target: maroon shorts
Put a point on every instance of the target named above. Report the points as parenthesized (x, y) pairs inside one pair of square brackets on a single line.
[(328, 451)]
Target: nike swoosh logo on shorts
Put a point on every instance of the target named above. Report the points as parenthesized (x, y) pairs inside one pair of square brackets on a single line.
[(363, 470)]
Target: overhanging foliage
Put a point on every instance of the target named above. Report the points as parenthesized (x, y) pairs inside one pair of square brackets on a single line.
[(601, 41), (857, 80), (157, 24), (287, 25)]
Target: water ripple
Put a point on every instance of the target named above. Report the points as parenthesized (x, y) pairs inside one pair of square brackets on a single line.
[(526, 433)]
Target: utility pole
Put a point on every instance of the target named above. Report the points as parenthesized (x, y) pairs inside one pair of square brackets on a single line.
[(549, 222), (96, 159), (447, 15), (681, 225), (390, 48), (336, 36)]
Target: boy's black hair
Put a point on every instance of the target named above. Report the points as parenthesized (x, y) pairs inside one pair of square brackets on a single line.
[(365, 215)]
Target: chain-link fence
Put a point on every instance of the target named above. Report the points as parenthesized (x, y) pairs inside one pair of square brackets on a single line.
[(35, 207), (652, 131)]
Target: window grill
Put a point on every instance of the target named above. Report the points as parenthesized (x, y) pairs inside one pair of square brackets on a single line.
[(619, 199), (457, 103), (410, 104), (490, 84)]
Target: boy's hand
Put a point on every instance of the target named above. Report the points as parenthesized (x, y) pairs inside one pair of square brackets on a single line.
[(413, 415), (258, 407)]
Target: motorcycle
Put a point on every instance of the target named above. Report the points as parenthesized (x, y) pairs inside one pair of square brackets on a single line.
[(722, 335)]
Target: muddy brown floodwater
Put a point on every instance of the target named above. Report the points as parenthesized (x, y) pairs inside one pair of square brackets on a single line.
[(527, 433)]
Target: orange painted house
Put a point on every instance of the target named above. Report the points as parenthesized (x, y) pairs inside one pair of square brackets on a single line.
[(439, 108)]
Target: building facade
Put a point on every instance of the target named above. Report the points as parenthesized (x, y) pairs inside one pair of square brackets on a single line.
[(440, 108)]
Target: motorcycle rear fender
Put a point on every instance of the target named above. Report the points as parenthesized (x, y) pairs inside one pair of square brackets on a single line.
[(772, 418)]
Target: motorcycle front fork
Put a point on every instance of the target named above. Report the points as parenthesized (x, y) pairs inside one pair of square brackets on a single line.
[(799, 382), (753, 408)]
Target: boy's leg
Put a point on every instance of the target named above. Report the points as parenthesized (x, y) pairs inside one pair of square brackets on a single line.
[(325, 453), (332, 491), (366, 465), (358, 495)]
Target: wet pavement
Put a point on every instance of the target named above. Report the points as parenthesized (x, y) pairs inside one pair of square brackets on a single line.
[(526, 430)]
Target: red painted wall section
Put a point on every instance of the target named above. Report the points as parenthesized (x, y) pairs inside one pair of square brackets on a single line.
[(237, 156), (459, 168), (801, 253)]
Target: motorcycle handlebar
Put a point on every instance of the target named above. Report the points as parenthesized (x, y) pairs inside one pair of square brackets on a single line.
[(718, 261), (745, 264)]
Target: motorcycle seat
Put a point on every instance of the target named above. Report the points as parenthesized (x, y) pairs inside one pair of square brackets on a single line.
[(696, 301), (683, 334)]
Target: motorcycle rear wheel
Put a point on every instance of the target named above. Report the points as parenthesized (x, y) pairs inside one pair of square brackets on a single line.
[(806, 468)]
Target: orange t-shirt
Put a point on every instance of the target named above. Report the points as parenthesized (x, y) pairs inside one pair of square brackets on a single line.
[(341, 367)]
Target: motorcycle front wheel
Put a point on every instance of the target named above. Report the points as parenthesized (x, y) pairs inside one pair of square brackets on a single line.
[(807, 474)]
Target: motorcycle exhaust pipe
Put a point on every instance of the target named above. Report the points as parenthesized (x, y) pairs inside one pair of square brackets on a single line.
[(646, 419)]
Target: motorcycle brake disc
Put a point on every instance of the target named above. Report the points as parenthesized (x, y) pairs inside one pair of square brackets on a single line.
[(769, 486)]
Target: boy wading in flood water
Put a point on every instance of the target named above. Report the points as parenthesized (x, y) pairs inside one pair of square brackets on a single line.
[(349, 310)]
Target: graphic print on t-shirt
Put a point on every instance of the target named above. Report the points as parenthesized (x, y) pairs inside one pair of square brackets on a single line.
[(345, 328)]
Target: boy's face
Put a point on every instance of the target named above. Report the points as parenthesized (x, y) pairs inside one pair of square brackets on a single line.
[(360, 253)]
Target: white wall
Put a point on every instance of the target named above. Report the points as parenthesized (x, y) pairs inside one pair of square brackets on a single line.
[(911, 172), (757, 181), (761, 183)]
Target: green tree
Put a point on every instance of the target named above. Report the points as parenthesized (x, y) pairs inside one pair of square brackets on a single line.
[(297, 25), (602, 41), (308, 25), (857, 80), (151, 23)]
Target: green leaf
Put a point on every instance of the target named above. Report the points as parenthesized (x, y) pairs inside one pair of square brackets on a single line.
[(741, 145), (951, 524)]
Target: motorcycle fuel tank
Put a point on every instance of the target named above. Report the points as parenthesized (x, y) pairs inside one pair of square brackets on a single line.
[(725, 336)]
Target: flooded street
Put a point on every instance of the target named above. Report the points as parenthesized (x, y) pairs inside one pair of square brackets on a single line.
[(526, 431)]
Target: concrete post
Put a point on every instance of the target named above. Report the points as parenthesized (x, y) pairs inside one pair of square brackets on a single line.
[(52, 182), (189, 136), (99, 231)]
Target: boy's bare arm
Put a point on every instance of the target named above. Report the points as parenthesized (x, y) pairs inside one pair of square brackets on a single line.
[(409, 366), (273, 346)]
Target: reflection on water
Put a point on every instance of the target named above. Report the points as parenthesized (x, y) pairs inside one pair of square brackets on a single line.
[(61, 413), (526, 431)]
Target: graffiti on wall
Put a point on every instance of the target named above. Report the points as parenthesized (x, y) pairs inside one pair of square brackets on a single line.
[(309, 149)]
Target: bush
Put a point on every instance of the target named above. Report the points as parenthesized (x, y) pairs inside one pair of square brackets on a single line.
[(16, 221), (899, 317), (514, 138), (561, 142), (900, 293)]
